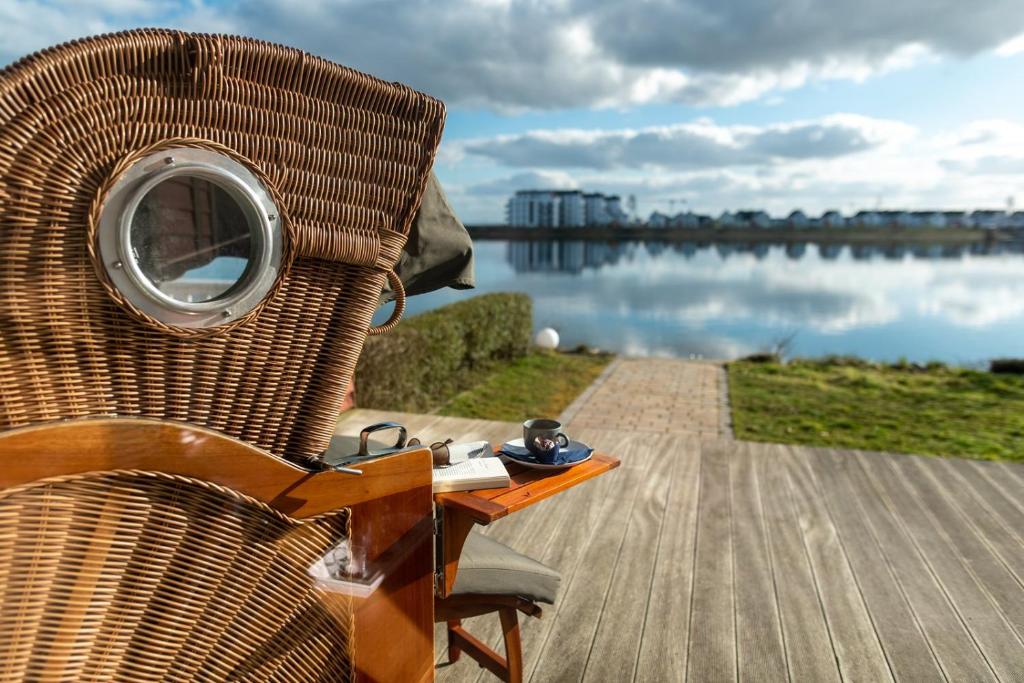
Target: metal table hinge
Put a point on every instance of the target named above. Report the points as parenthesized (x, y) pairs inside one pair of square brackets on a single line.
[(438, 521), (438, 549)]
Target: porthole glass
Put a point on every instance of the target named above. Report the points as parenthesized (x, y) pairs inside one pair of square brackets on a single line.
[(191, 238)]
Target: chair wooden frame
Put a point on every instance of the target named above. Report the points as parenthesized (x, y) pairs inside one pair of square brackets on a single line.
[(390, 512), (453, 609)]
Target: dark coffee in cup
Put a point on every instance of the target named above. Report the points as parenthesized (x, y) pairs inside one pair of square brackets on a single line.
[(544, 439)]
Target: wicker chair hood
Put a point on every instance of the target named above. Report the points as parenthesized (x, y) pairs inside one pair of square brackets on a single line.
[(344, 156)]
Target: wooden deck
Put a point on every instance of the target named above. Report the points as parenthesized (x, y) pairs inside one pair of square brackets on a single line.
[(710, 559)]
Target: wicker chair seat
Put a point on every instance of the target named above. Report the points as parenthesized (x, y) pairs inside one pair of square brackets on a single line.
[(142, 576)]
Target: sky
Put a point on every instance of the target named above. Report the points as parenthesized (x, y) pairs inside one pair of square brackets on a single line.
[(704, 105)]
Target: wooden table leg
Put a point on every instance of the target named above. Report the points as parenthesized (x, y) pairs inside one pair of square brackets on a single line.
[(455, 529)]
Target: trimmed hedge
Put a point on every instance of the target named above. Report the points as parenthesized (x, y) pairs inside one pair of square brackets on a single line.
[(433, 356)]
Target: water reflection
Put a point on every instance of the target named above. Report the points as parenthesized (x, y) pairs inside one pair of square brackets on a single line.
[(567, 257), (960, 304), (575, 257)]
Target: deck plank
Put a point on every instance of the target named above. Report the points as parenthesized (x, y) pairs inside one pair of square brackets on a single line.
[(811, 658), (613, 654), (566, 647), (666, 633), (990, 484), (712, 655), (898, 626), (981, 560), (1010, 472), (976, 530), (987, 626), (564, 546), (761, 654), (1006, 515), (952, 643), (854, 639)]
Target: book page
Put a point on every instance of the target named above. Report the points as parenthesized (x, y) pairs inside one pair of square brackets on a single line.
[(485, 472)]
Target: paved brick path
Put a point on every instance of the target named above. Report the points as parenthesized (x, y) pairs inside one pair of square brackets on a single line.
[(664, 396)]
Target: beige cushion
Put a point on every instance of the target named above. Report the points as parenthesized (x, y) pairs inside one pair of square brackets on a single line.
[(489, 567)]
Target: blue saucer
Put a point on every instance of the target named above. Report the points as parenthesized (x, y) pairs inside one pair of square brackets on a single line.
[(573, 454)]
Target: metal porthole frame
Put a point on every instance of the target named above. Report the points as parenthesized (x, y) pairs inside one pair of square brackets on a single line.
[(118, 268)]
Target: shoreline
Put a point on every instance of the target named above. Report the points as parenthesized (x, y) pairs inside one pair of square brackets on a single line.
[(873, 236)]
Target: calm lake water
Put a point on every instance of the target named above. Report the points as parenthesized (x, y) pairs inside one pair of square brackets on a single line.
[(961, 305)]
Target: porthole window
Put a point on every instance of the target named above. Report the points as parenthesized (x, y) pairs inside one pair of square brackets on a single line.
[(191, 238)]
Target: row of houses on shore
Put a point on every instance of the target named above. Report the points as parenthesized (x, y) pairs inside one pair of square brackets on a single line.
[(981, 218), (576, 208), (564, 208)]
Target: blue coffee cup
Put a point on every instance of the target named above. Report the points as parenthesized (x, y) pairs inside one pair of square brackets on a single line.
[(547, 453), (544, 439)]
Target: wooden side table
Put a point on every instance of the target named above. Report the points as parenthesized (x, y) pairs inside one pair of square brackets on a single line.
[(456, 514), (459, 511)]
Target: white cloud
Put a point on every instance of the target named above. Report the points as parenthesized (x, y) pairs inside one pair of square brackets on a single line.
[(838, 162), (30, 25), (690, 145), (1011, 47), (549, 54), (520, 54), (979, 136), (556, 180)]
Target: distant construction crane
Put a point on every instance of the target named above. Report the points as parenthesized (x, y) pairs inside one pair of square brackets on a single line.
[(672, 204)]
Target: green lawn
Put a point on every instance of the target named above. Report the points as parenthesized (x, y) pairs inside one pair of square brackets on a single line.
[(848, 404), (541, 384)]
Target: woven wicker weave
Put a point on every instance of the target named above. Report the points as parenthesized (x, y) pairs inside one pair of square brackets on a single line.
[(344, 155), (139, 576)]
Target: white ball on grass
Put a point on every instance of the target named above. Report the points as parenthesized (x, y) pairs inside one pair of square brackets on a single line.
[(546, 339)]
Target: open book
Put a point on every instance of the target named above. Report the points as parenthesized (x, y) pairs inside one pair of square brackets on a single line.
[(476, 473)]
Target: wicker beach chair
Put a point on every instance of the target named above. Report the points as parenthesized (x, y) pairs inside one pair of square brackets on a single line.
[(130, 165), (144, 576), (342, 156)]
